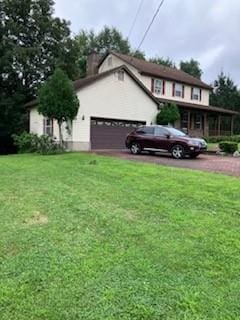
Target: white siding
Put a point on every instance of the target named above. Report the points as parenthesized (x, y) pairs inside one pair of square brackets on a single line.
[(146, 80), (106, 98)]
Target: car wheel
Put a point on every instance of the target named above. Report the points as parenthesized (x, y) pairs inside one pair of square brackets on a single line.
[(177, 152), (135, 148)]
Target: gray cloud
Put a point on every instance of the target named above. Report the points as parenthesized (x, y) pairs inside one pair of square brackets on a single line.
[(205, 30)]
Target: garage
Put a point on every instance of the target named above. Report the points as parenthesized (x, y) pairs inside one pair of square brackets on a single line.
[(111, 133)]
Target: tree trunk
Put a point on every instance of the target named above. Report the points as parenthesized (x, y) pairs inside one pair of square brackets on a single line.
[(60, 133)]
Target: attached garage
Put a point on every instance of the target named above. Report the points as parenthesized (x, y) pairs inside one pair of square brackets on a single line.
[(111, 133)]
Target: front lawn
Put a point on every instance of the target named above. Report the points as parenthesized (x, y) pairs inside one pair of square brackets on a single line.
[(90, 237)]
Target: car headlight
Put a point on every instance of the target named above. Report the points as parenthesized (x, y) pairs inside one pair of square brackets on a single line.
[(194, 143)]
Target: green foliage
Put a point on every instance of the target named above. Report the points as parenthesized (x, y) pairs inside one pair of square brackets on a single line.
[(107, 39), (32, 43), (228, 146), (226, 95), (116, 240), (57, 99), (32, 143), (168, 114), (163, 61), (191, 67), (235, 138)]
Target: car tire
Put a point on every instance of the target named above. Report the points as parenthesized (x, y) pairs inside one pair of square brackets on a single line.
[(178, 152), (135, 148)]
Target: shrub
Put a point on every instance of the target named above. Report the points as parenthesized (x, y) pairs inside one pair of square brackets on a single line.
[(235, 138), (168, 114), (228, 146), (31, 143)]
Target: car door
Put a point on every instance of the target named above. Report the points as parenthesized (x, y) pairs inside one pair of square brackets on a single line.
[(161, 138), (145, 136)]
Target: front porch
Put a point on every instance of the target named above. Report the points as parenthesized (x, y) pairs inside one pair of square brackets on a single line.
[(203, 124)]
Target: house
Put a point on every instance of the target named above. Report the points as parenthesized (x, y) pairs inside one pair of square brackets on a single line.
[(121, 93)]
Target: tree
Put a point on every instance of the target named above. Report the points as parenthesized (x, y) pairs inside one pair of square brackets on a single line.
[(162, 61), (57, 100), (191, 67), (169, 114), (32, 44), (107, 39), (226, 95)]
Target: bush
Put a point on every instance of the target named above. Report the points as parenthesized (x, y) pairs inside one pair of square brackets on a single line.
[(32, 143), (168, 114), (228, 146), (235, 138)]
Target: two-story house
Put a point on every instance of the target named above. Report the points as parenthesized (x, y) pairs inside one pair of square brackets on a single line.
[(122, 92)]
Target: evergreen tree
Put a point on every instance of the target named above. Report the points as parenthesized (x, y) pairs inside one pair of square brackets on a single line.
[(57, 100), (191, 67), (163, 61)]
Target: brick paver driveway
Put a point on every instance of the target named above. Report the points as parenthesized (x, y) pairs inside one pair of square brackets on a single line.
[(226, 165)]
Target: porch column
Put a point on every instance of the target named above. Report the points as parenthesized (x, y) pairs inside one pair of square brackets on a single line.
[(232, 122), (219, 125), (206, 125), (189, 121)]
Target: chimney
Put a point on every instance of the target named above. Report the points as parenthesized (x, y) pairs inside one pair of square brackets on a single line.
[(92, 63)]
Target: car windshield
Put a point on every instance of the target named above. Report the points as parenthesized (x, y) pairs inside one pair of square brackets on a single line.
[(176, 132)]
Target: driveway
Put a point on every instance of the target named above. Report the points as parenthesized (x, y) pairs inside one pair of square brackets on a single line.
[(205, 162)]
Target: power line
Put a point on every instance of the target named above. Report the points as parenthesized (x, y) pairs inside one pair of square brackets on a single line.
[(135, 19), (148, 28)]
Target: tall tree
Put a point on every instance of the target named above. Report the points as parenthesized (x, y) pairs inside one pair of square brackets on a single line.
[(32, 43), (191, 67), (226, 95), (163, 61), (57, 100), (107, 39)]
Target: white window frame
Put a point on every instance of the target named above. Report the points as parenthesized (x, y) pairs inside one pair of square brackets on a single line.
[(158, 86), (178, 90), (196, 94), (48, 127), (120, 74)]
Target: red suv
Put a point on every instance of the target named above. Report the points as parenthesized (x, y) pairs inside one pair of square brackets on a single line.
[(164, 139)]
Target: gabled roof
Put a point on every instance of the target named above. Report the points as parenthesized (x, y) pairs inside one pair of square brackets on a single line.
[(160, 71), (84, 82)]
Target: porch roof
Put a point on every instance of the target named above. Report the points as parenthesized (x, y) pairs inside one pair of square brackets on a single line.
[(199, 107)]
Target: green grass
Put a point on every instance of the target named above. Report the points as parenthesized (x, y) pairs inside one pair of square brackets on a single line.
[(116, 240)]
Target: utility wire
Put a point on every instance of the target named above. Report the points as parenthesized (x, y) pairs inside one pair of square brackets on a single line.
[(135, 19), (148, 28)]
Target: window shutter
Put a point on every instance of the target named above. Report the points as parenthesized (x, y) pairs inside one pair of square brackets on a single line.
[(183, 87), (163, 87), (173, 89), (152, 86), (191, 93), (200, 95)]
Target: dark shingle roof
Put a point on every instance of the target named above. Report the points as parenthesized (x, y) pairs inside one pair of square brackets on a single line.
[(156, 70)]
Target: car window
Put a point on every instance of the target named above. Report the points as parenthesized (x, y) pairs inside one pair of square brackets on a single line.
[(145, 130), (161, 132)]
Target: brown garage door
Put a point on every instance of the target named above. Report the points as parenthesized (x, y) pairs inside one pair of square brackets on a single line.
[(111, 133)]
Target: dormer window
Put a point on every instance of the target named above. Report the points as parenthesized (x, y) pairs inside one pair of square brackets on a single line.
[(178, 90), (196, 94), (158, 86)]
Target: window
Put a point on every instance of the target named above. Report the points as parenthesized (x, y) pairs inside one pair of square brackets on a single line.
[(157, 86), (184, 120), (161, 132), (145, 130), (109, 61), (197, 121), (196, 94), (178, 90), (48, 126), (121, 75)]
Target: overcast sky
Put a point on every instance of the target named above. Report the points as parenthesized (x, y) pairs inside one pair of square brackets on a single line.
[(207, 30)]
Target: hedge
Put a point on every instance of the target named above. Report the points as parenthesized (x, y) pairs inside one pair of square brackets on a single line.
[(228, 146)]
